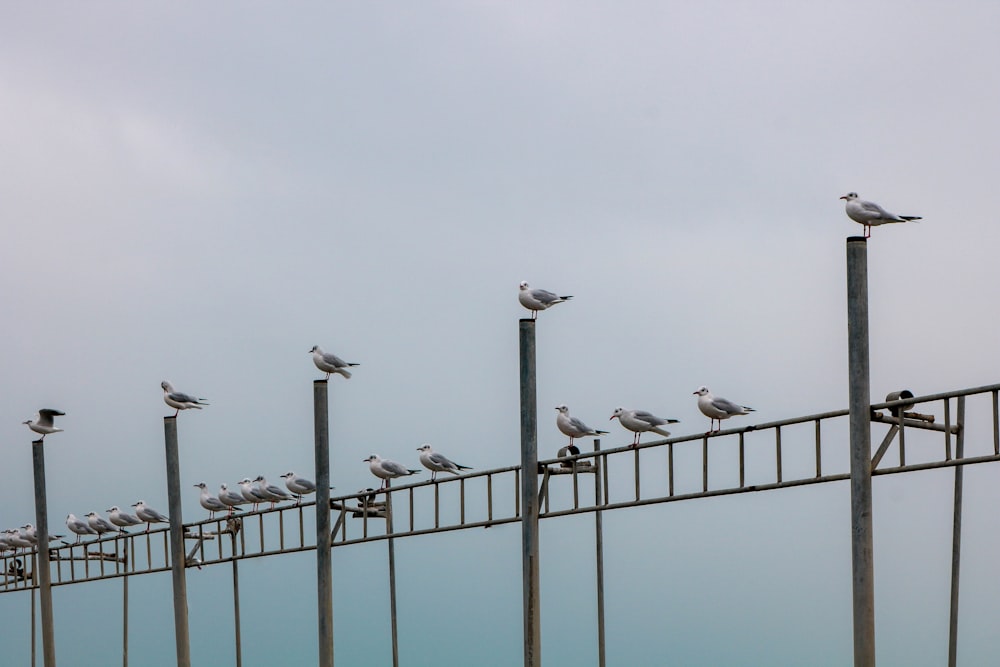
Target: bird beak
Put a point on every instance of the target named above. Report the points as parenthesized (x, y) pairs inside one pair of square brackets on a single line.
[(844, 197), (612, 417), (694, 393)]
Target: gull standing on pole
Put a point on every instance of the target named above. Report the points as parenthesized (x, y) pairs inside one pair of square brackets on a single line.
[(100, 524), (79, 526), (179, 400), (148, 514), (717, 409), (42, 423), (538, 299), (572, 426), (870, 214), (330, 363), (640, 421), (438, 462), (385, 469), (300, 486), (121, 518), (210, 502)]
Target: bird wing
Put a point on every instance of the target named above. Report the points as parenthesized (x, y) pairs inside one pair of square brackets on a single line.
[(394, 468), (181, 397), (727, 406), (45, 416), (544, 296), (652, 419)]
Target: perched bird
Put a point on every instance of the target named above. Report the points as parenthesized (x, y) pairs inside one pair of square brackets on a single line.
[(274, 494), (300, 486), (210, 502), (179, 400), (640, 421), (572, 426), (385, 469), (438, 462), (231, 499), (870, 214), (42, 423), (538, 299), (121, 518), (79, 526), (250, 492), (717, 409), (330, 363), (100, 524), (148, 514), (17, 539)]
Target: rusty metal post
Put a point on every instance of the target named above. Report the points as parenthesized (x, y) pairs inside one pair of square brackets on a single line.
[(529, 498), (324, 538), (44, 573), (177, 553)]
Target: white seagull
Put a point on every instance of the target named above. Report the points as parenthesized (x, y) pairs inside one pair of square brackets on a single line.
[(79, 526), (100, 524), (274, 494), (148, 514), (42, 423), (210, 502), (178, 399), (300, 486), (330, 363), (231, 499), (121, 518), (640, 421), (385, 469), (717, 409), (438, 462), (870, 214), (251, 493), (572, 426), (538, 299)]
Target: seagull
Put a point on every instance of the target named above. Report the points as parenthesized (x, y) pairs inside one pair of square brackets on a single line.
[(640, 421), (121, 518), (274, 493), (19, 540), (251, 493), (300, 486), (572, 426), (717, 409), (28, 532), (79, 526), (230, 499), (148, 514), (538, 299), (870, 214), (438, 462), (210, 502), (100, 524), (330, 363), (386, 469), (179, 400), (42, 423)]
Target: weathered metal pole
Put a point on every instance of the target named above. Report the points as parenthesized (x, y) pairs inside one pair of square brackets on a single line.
[(125, 610), (529, 498), (599, 532), (44, 573), (859, 403), (236, 606), (177, 552), (33, 614), (324, 538), (392, 574), (956, 537)]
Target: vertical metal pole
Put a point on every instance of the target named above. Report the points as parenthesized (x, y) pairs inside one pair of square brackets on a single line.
[(177, 551), (956, 537), (125, 611), (599, 533), (529, 497), (392, 574), (44, 573), (861, 473), (236, 606), (33, 614), (324, 538)]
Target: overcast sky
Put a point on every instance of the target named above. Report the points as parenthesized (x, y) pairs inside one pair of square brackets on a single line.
[(201, 192)]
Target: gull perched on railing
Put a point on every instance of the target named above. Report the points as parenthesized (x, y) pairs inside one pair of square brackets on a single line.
[(717, 408), (148, 514), (436, 462), (121, 518), (79, 526), (330, 363), (210, 502), (870, 214), (640, 421), (42, 423), (572, 426), (230, 498), (100, 524), (385, 469), (536, 300), (274, 494), (298, 485), (178, 399)]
